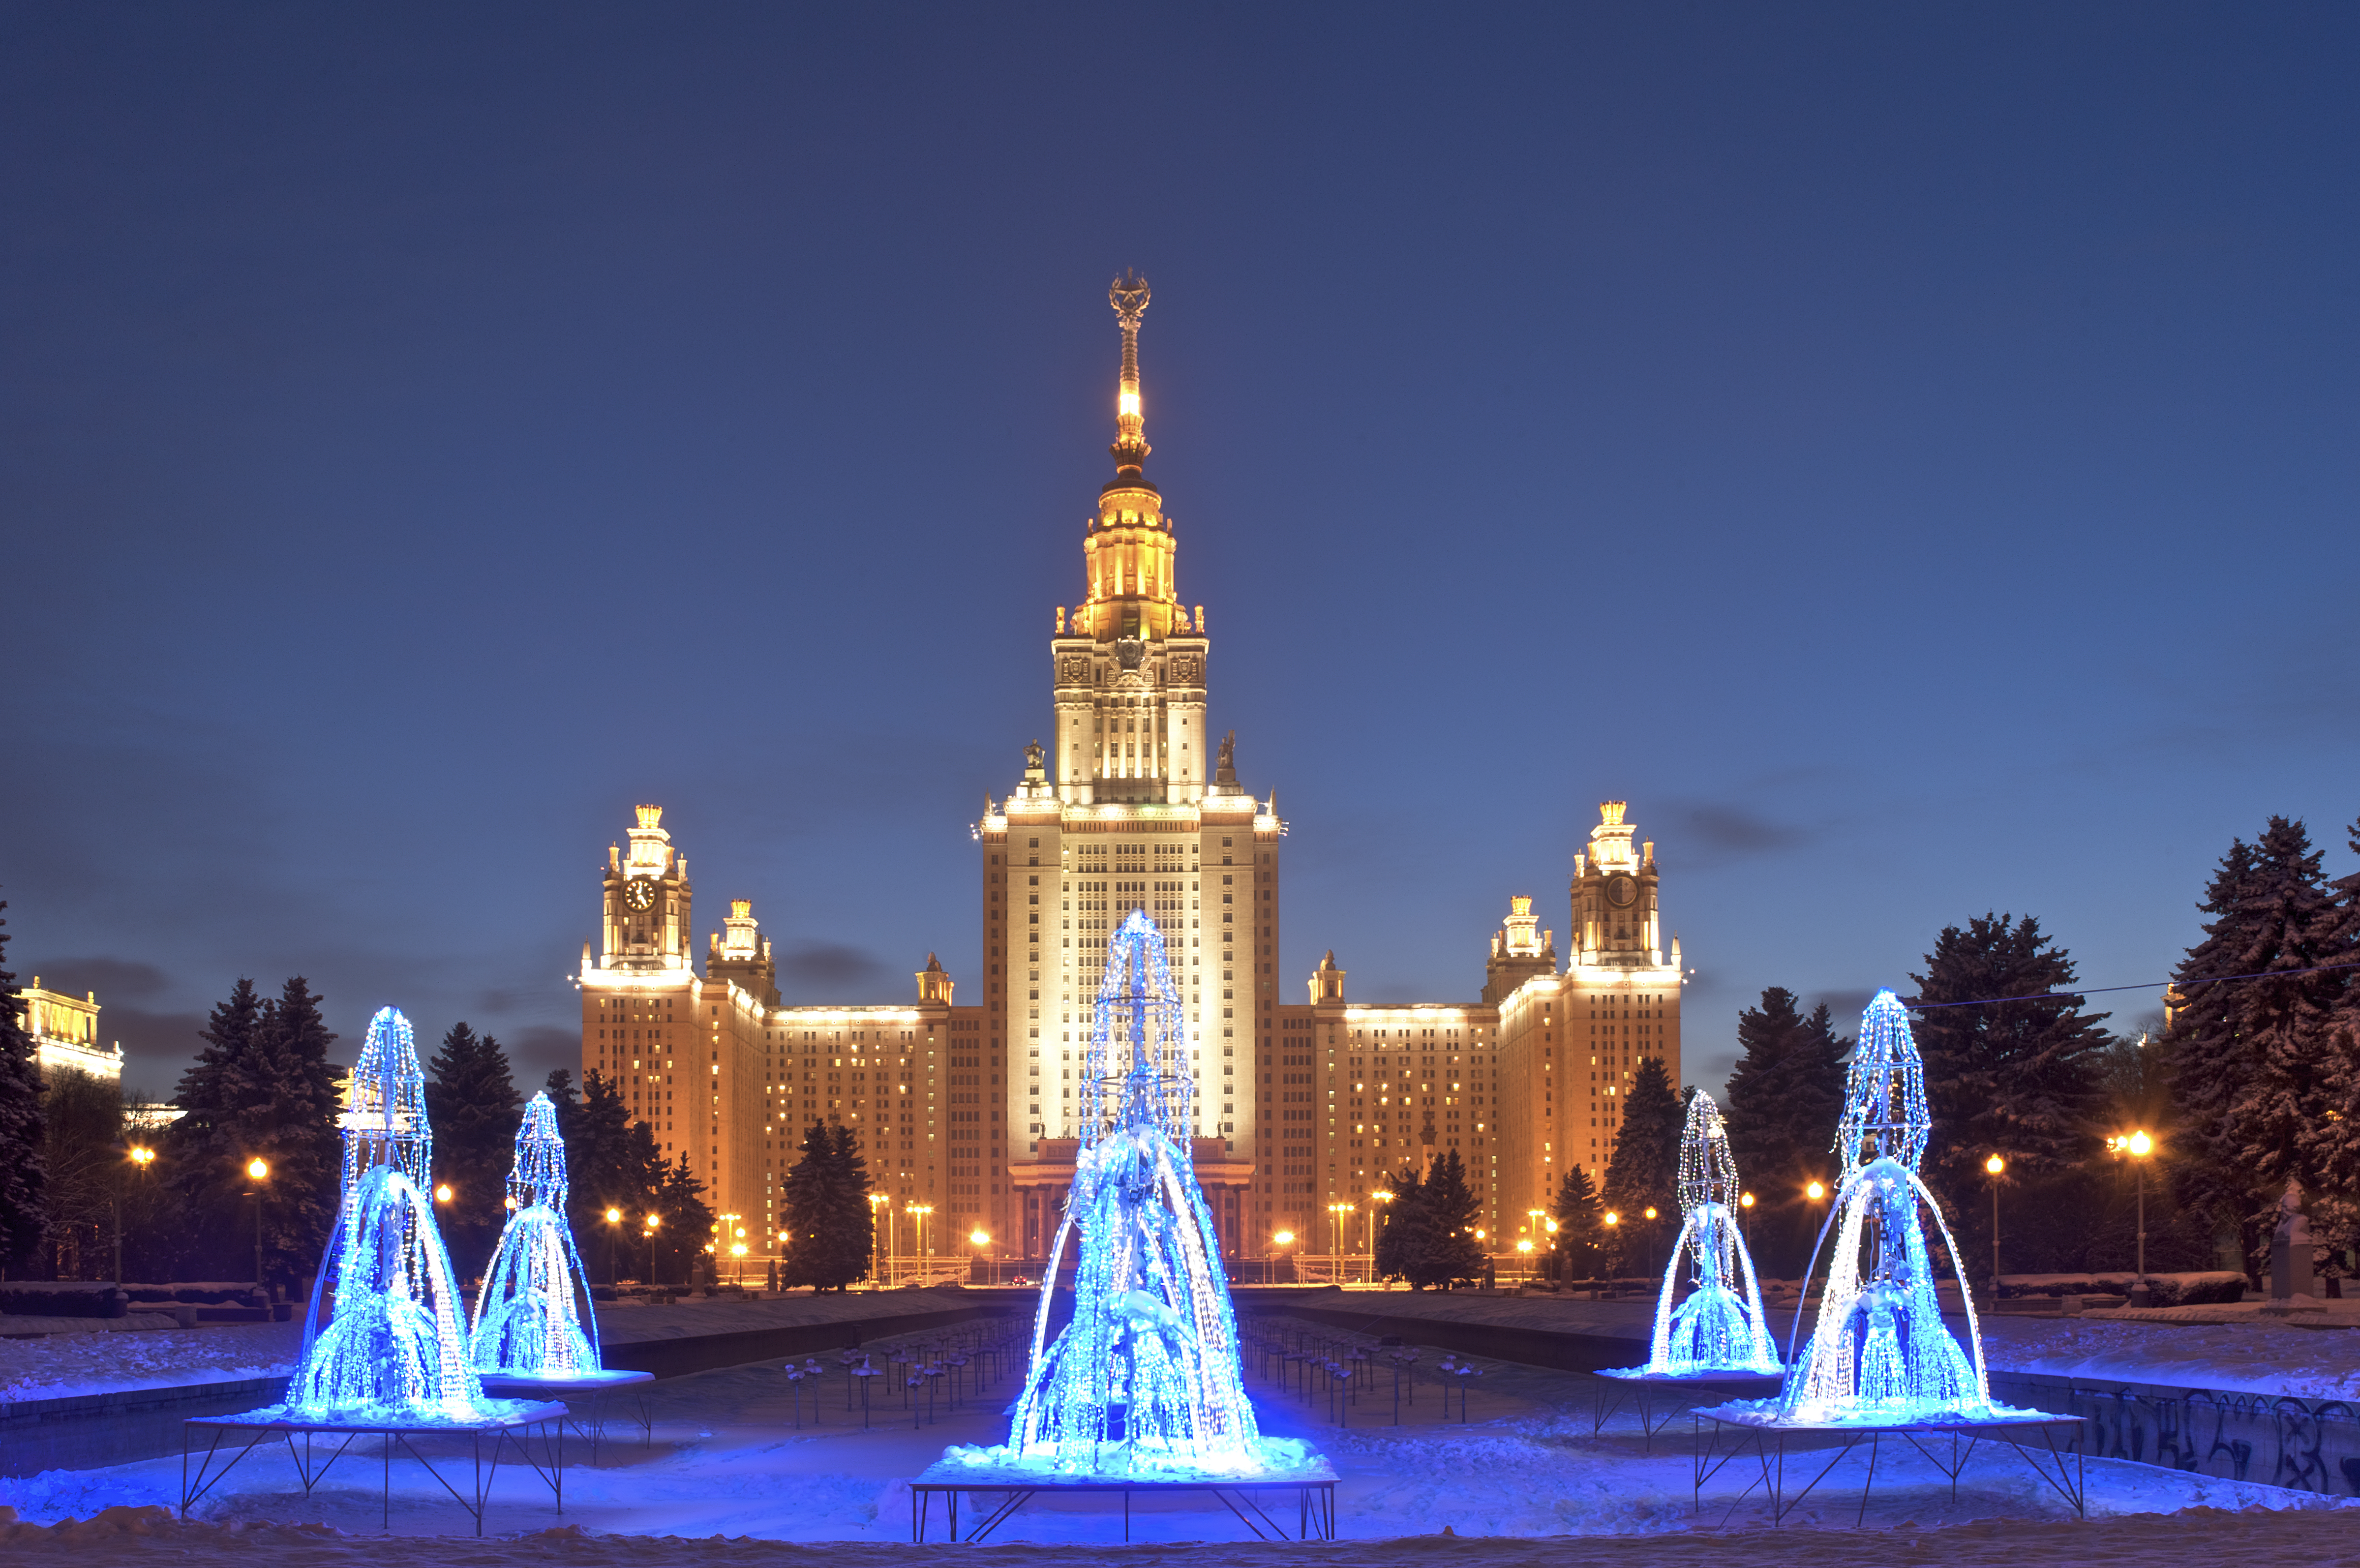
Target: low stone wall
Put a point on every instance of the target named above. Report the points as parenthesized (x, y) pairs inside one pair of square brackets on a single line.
[(85, 1430), (2313, 1446)]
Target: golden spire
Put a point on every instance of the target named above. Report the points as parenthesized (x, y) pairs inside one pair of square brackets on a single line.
[(1129, 297)]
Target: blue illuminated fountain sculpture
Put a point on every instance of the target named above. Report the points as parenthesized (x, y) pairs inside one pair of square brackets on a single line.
[(1145, 1383), (533, 1317), (1878, 1350), (1880, 1361), (396, 1348), (1720, 1326)]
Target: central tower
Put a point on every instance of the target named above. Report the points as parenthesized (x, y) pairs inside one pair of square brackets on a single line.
[(1126, 811), (1130, 661)]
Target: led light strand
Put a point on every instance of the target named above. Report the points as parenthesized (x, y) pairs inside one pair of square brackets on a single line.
[(1145, 1380), (1878, 1351), (1720, 1327), (534, 1314), (396, 1348)]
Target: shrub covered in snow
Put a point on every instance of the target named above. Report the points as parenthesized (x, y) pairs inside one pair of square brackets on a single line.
[(2191, 1290)]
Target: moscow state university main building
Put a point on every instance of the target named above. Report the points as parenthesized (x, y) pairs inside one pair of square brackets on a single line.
[(1305, 1100)]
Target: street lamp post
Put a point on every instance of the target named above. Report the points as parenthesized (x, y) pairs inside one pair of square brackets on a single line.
[(614, 1229), (918, 1242), (1995, 1168), (139, 1158), (2138, 1146), (653, 1222), (1651, 1238), (258, 1170), (981, 1241), (1336, 1239), (1379, 1196), (885, 1260), (1745, 1217)]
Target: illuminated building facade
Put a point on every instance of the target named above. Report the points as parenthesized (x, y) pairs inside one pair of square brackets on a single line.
[(65, 1034), (1521, 1084), (724, 1075), (1126, 811), (1130, 806)]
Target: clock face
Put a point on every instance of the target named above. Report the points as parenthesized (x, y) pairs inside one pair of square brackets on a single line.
[(1621, 890), (639, 892)]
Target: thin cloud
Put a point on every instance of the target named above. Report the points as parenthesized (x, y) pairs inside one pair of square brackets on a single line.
[(113, 979), (824, 964), (1728, 831)]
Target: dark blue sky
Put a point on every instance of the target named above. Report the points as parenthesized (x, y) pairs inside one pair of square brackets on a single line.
[(1907, 451)]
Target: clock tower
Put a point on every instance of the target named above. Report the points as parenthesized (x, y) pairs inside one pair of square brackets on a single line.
[(1614, 921), (647, 894)]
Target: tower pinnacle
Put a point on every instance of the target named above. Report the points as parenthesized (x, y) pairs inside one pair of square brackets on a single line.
[(1128, 295)]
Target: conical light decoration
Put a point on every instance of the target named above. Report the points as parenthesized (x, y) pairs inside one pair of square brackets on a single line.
[(1144, 1381), (534, 1315), (396, 1348), (1719, 1327), (1878, 1351)]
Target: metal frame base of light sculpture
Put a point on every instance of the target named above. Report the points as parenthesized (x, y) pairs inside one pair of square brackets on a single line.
[(1719, 1329), (1879, 1355), (395, 1351), (534, 1317), (1144, 1384)]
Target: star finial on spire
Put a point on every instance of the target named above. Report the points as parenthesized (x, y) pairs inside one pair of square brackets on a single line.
[(1128, 295)]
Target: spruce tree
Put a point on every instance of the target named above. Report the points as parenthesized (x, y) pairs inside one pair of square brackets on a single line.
[(1786, 1095), (471, 1101), (1397, 1235), (1644, 1170), (1448, 1251), (826, 1199), (559, 1087), (204, 1151), (854, 1221), (21, 1219), (1785, 1099), (687, 1222), (2204, 1047), (1579, 1217), (611, 1164), (293, 1125), (2019, 1078), (2259, 1065), (2333, 1143)]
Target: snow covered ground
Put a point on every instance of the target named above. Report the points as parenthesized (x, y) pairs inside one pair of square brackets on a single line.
[(85, 1362), (148, 1537), (2174, 1346), (68, 1364), (2259, 1354), (727, 1462)]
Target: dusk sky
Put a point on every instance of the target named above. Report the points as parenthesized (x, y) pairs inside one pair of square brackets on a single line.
[(1907, 452)]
